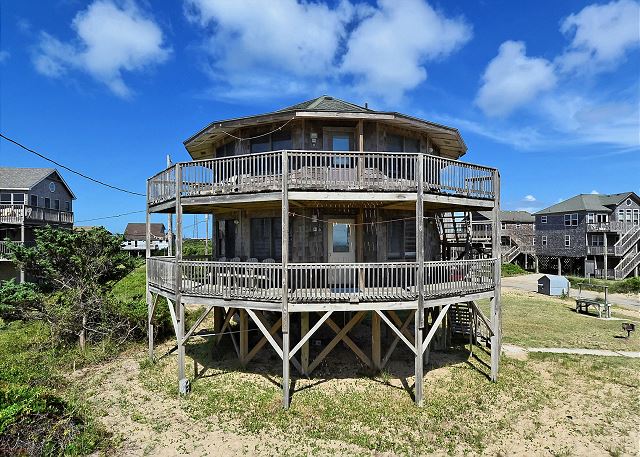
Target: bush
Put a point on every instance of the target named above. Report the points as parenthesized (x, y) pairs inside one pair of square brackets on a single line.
[(625, 286), (17, 301), (510, 269)]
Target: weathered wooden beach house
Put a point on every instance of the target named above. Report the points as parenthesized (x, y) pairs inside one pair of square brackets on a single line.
[(327, 215)]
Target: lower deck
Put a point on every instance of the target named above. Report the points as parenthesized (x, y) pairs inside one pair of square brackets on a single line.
[(322, 286)]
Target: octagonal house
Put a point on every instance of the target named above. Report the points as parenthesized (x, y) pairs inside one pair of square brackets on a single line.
[(321, 210)]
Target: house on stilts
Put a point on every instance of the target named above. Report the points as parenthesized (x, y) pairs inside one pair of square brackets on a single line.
[(327, 215)]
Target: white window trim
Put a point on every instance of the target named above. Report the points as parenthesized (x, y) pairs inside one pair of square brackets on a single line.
[(567, 241), (544, 240), (543, 219), (591, 218)]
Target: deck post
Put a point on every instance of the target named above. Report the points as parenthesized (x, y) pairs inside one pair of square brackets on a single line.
[(22, 238), (606, 257), (178, 284), (496, 324), (376, 358), (560, 265), (244, 337), (419, 319), (169, 222), (285, 281), (148, 292), (304, 351)]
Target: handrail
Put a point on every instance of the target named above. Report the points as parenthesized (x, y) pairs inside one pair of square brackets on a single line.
[(17, 214), (323, 282), (323, 170)]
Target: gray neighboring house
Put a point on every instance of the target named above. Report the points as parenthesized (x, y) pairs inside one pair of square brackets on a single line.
[(135, 237), (30, 198), (517, 235), (591, 234)]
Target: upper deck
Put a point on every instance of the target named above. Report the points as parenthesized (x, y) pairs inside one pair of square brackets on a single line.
[(323, 175), (16, 214)]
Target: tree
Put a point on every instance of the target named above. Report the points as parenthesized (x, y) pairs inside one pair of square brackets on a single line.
[(78, 265)]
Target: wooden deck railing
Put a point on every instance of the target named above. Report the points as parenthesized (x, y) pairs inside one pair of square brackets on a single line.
[(323, 282), (4, 248), (17, 214), (323, 170)]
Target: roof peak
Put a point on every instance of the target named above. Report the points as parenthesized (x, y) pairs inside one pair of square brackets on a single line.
[(326, 103)]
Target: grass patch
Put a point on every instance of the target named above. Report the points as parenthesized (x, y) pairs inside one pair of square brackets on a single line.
[(532, 320), (510, 269), (37, 415), (625, 286)]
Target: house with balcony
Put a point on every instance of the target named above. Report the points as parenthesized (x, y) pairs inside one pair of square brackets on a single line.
[(591, 234), (135, 238), (517, 231), (30, 198), (328, 216)]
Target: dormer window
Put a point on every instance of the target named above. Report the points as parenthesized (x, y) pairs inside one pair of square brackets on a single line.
[(628, 202)]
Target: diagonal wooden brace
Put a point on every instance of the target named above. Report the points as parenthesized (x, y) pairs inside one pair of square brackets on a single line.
[(227, 321), (202, 317), (349, 342), (434, 327), (278, 340), (482, 317), (267, 334), (274, 328), (310, 333), (174, 318), (394, 343), (397, 331)]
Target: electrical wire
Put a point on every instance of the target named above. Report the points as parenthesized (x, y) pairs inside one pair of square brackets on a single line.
[(110, 217), (42, 156), (387, 221), (257, 136)]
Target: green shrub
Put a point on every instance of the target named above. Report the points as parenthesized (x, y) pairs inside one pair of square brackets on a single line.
[(625, 286), (18, 300), (510, 269)]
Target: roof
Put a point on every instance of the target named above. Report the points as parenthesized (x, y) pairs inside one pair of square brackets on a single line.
[(138, 231), (327, 103), (27, 178), (588, 202), (510, 216), (447, 138)]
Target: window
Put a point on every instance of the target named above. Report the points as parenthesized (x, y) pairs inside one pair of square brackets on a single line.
[(47, 202), (274, 142), (398, 143), (629, 213), (5, 199), (401, 240), (590, 218), (34, 200), (544, 240), (571, 220), (543, 219), (602, 218), (636, 217), (567, 241), (621, 215), (517, 226), (226, 150), (52, 186), (56, 204), (266, 238), (534, 240), (628, 202), (341, 238), (67, 206), (503, 225), (18, 199), (262, 144), (597, 240)]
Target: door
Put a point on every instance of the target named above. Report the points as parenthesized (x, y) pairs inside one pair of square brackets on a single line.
[(342, 171), (341, 246)]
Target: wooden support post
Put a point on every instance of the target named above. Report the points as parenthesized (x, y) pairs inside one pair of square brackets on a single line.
[(559, 266), (376, 355), (419, 319), (218, 319), (304, 329), (22, 238), (183, 388), (244, 337), (496, 313), (606, 257), (285, 280), (148, 292), (169, 222)]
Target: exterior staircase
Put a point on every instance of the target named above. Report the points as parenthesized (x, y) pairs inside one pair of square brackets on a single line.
[(627, 248), (511, 254)]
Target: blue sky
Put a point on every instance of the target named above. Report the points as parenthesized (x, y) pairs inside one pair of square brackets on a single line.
[(548, 92)]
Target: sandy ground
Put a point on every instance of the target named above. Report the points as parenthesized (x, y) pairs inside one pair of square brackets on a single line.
[(530, 283), (147, 423)]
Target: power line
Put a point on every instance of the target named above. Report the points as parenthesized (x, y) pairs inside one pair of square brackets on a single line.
[(102, 183), (110, 217)]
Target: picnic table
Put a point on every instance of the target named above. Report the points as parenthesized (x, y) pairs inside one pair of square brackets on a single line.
[(603, 307)]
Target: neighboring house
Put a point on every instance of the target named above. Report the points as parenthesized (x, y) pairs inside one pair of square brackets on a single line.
[(30, 198), (591, 234), (135, 237), (517, 232), (328, 207)]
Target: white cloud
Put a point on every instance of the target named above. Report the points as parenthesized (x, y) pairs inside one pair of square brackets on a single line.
[(512, 79), (600, 36), (595, 192), (295, 47), (529, 209), (112, 38), (4, 55), (529, 198), (400, 35)]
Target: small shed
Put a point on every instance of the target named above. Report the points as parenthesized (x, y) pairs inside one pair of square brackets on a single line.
[(553, 285)]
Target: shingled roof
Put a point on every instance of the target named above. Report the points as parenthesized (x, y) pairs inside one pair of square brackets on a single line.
[(12, 178), (137, 231), (588, 202), (510, 216), (327, 103)]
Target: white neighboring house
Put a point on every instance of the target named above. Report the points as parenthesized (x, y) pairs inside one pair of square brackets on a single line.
[(135, 237)]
